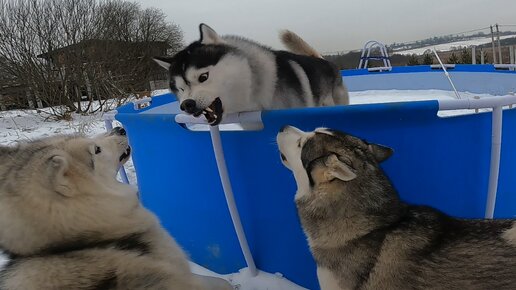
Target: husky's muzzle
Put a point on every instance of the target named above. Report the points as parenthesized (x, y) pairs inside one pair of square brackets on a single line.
[(119, 131), (212, 113)]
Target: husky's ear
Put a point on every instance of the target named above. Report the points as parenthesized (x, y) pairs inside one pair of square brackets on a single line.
[(57, 172), (337, 169), (208, 35), (380, 152), (164, 61)]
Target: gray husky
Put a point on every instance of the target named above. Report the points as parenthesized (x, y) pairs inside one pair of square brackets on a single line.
[(363, 237), (67, 223), (219, 75)]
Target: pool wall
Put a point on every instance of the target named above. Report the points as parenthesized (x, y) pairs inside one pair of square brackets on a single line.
[(441, 162)]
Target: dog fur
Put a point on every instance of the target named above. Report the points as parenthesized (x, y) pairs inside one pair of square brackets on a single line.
[(363, 236), (67, 223), (247, 76)]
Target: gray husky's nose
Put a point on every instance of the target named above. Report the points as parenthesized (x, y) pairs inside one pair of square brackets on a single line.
[(118, 131), (188, 106)]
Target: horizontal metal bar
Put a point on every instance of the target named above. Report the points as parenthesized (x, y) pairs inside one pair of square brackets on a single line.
[(439, 66), (238, 118), (379, 69), (504, 66), (480, 103), (137, 103)]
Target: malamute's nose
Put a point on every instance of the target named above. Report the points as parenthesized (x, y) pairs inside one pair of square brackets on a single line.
[(118, 131), (188, 106), (284, 128)]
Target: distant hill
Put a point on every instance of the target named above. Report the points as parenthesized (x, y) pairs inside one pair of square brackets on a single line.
[(459, 44), (447, 39), (451, 49)]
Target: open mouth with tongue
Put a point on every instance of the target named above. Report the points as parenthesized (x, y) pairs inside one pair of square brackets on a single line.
[(212, 113)]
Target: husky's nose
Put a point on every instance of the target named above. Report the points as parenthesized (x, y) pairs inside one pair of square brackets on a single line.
[(188, 106), (284, 128), (118, 131)]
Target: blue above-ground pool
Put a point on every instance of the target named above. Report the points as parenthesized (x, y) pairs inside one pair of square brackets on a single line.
[(441, 162)]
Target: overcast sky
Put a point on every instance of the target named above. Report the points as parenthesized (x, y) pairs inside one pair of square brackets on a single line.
[(331, 25)]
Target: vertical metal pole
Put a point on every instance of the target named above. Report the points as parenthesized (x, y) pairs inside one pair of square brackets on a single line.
[(511, 54), (493, 45), (473, 55), (496, 146), (366, 63), (482, 58), (230, 199), (362, 56), (500, 59)]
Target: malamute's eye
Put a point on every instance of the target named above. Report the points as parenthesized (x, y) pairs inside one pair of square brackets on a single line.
[(97, 150), (203, 77)]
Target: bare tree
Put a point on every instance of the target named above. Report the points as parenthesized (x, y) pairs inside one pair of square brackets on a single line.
[(65, 52)]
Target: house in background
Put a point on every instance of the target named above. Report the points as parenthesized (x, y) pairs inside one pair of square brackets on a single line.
[(126, 64)]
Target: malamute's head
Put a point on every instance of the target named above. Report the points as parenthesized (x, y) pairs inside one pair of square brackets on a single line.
[(209, 77), (59, 189), (330, 159)]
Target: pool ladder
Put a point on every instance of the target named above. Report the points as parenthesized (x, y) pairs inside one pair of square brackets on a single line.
[(366, 56)]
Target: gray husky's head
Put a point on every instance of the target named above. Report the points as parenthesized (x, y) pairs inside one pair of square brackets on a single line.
[(329, 156), (339, 180), (209, 77)]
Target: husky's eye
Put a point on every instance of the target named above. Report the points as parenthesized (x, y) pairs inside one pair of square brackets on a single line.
[(203, 77), (97, 150), (299, 143)]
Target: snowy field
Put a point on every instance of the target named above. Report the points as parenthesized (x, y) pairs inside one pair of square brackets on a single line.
[(22, 125), (452, 45)]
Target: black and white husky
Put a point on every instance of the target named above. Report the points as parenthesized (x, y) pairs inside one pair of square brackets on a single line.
[(219, 75)]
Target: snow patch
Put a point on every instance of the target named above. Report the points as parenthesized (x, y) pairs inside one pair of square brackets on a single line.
[(243, 280)]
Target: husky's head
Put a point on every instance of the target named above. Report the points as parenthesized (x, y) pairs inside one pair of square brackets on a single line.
[(327, 156), (342, 192), (58, 189), (209, 77)]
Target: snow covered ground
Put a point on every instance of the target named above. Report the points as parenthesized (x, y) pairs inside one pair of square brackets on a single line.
[(452, 45), (21, 125)]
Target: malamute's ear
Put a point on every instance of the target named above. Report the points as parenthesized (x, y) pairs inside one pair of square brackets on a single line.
[(380, 152), (337, 169), (57, 169), (208, 35), (163, 61)]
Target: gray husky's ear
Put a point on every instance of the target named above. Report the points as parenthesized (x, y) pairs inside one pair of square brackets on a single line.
[(164, 61), (380, 152), (57, 169), (208, 35), (337, 169)]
